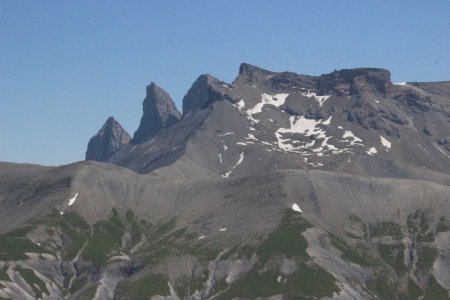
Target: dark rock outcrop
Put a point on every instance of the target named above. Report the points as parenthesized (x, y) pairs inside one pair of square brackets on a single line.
[(355, 81), (108, 140), (159, 113), (206, 90)]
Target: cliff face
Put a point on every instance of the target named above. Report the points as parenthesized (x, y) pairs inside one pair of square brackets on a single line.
[(108, 140), (159, 112)]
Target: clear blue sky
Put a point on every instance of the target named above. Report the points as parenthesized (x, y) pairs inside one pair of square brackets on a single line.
[(65, 66)]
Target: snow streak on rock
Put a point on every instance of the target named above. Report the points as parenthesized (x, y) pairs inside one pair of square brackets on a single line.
[(72, 200), (320, 99), (241, 159)]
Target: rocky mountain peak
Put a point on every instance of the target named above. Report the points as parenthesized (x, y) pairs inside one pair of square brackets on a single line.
[(250, 70), (159, 112), (252, 74), (205, 90), (108, 140)]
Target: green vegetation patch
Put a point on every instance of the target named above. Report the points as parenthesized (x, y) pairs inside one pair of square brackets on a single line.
[(106, 238), (14, 245), (78, 284), (3, 274), (186, 283), (164, 240), (443, 225), (72, 225), (89, 293), (414, 291), (287, 239), (309, 281), (36, 284), (435, 291), (419, 224), (384, 229), (144, 288), (357, 256), (426, 257), (383, 288), (394, 256)]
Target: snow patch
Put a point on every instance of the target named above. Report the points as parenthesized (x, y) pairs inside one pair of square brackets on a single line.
[(400, 83), (201, 237), (223, 229), (240, 104), (226, 134), (320, 99), (297, 208), (276, 100), (385, 142), (72, 200), (251, 137), (372, 151), (355, 140)]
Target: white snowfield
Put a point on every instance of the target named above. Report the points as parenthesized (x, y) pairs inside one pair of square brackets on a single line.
[(306, 127), (223, 229), (385, 142), (201, 237), (72, 200), (307, 137), (297, 208)]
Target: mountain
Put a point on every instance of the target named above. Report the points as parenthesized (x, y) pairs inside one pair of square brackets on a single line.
[(108, 140), (275, 186), (159, 113)]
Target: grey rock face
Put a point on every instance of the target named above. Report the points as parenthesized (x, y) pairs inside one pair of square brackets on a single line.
[(108, 140), (207, 207), (159, 113)]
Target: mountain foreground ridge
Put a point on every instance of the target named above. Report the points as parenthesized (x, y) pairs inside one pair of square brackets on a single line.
[(275, 186)]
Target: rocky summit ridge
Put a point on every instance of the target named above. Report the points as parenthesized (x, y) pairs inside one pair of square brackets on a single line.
[(275, 186)]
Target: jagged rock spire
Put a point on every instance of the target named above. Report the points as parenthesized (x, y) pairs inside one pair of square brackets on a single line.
[(108, 140), (159, 113)]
